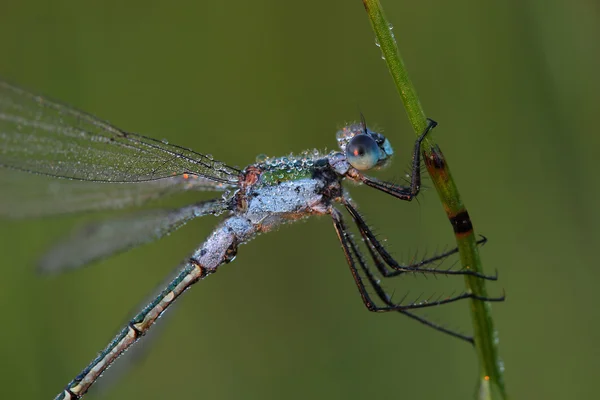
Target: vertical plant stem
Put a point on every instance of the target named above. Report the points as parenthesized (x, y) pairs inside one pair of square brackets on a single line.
[(491, 379)]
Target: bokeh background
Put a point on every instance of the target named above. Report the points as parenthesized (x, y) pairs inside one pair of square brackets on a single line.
[(515, 88)]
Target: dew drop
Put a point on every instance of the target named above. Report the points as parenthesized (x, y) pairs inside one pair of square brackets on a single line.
[(218, 166)]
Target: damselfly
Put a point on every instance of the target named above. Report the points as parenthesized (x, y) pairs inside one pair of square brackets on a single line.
[(43, 137)]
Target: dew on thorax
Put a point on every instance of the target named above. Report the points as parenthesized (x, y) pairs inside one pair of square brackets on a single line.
[(288, 167), (346, 133)]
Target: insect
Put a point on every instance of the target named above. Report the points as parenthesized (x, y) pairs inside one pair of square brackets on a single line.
[(40, 136)]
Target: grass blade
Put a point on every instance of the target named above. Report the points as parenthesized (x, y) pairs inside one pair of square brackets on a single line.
[(491, 379)]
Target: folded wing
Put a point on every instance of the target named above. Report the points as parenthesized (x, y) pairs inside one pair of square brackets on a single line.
[(42, 136), (100, 240)]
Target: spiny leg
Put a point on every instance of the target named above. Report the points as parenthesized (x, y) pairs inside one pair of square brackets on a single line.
[(399, 269), (402, 192), (351, 252), (385, 298)]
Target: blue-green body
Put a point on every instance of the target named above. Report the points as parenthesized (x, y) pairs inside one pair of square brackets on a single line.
[(81, 152)]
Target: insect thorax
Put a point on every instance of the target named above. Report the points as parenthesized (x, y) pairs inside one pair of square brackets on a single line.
[(285, 191)]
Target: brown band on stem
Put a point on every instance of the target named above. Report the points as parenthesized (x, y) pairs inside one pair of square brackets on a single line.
[(461, 223)]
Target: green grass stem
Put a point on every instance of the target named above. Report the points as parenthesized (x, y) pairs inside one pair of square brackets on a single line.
[(491, 375)]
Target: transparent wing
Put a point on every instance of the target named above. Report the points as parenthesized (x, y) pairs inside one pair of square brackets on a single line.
[(27, 195), (41, 136), (99, 240)]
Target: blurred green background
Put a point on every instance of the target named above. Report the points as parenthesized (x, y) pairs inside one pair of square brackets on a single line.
[(515, 88)]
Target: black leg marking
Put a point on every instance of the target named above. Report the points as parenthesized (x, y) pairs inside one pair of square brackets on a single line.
[(386, 299), (353, 254), (376, 247)]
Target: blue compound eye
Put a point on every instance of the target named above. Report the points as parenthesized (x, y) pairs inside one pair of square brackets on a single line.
[(363, 152)]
